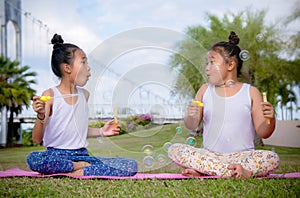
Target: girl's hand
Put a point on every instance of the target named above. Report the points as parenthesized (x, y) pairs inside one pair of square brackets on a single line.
[(38, 106), (193, 110), (268, 110), (110, 128)]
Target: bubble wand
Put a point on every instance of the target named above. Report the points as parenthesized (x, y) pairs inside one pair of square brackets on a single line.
[(115, 116), (264, 94), (47, 98)]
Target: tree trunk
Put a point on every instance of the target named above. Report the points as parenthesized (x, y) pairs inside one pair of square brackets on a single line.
[(10, 131), (282, 113), (3, 136), (291, 110)]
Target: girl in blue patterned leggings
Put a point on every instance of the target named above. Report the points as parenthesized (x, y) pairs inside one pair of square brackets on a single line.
[(62, 122)]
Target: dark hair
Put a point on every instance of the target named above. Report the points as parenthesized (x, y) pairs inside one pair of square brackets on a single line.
[(62, 53), (230, 50)]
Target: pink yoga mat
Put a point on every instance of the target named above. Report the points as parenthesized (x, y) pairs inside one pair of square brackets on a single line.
[(15, 172)]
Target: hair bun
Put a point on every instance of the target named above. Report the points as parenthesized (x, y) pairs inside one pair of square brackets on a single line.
[(57, 40), (234, 38)]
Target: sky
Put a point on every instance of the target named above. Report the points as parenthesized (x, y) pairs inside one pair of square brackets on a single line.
[(127, 42)]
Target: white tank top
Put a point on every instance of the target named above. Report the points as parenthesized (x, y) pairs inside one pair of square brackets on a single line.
[(68, 125), (227, 121)]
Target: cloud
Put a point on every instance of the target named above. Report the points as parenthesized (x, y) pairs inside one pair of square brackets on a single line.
[(118, 16), (88, 23), (63, 17)]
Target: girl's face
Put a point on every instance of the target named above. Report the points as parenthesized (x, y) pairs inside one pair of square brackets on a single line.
[(81, 69), (215, 68)]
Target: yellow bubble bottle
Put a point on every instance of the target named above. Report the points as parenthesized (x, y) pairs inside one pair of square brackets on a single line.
[(200, 104), (45, 98)]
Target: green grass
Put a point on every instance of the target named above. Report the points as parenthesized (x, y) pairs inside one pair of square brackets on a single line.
[(66, 187), (130, 145)]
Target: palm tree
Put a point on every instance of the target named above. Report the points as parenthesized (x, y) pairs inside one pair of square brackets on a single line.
[(15, 91)]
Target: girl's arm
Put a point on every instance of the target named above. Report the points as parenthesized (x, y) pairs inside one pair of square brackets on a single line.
[(195, 113), (43, 110), (261, 111), (109, 129)]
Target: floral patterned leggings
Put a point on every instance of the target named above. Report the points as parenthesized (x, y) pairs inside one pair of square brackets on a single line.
[(260, 162), (61, 161)]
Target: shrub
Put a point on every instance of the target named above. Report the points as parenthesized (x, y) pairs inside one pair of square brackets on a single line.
[(145, 119), (27, 138), (129, 124)]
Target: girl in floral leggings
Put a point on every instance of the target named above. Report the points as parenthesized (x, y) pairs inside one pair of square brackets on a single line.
[(232, 112)]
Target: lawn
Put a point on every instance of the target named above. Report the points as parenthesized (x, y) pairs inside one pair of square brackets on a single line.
[(141, 145)]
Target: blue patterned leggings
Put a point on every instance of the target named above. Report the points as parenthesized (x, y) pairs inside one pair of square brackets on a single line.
[(61, 161)]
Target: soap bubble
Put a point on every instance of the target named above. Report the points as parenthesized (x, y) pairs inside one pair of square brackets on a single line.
[(161, 158), (147, 149), (167, 146), (244, 55), (148, 161), (137, 94), (260, 37), (178, 129), (191, 141)]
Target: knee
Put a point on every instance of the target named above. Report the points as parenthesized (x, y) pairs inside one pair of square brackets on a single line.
[(30, 159), (274, 158), (133, 167), (174, 149), (33, 161)]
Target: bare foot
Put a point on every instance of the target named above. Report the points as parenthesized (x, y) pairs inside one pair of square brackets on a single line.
[(78, 172), (80, 164), (239, 172), (191, 173)]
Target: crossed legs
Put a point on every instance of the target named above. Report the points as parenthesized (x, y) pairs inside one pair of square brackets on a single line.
[(199, 161)]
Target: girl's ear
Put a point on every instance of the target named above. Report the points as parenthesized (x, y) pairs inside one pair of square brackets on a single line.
[(231, 65), (67, 68)]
